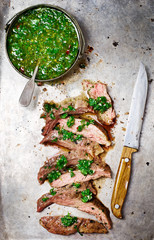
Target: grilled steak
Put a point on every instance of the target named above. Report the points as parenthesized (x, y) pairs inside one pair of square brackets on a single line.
[(79, 105), (72, 160), (91, 132), (71, 197), (53, 224), (90, 147), (99, 171), (99, 89)]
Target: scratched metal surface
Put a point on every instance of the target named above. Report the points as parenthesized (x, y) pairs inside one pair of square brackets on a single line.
[(121, 33)]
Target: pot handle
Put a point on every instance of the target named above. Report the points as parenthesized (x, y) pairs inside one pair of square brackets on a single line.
[(9, 22)]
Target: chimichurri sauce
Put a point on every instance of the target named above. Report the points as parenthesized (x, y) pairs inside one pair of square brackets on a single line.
[(43, 34)]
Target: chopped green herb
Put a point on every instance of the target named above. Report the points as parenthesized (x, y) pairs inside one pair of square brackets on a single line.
[(71, 108), (64, 109), (67, 220), (61, 162), (64, 115), (84, 167), (53, 175), (52, 115), (77, 185), (80, 128), (43, 116), (45, 199), (84, 123), (99, 104), (49, 167), (69, 135), (54, 140), (90, 122), (71, 172), (40, 179), (70, 121), (52, 192), (78, 230), (86, 195), (78, 137), (47, 107), (45, 167)]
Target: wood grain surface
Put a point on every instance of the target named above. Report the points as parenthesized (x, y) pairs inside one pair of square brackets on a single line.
[(122, 181)]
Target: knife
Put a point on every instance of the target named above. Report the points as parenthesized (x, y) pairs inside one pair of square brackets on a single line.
[(131, 142)]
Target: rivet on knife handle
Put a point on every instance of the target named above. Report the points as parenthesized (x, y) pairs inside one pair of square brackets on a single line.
[(122, 181)]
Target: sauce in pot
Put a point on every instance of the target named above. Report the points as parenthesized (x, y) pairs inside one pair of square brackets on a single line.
[(43, 34)]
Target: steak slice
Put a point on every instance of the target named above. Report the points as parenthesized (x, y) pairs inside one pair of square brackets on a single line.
[(90, 147), (99, 171), (99, 89), (53, 224), (72, 160), (71, 197), (79, 105), (91, 132), (69, 189)]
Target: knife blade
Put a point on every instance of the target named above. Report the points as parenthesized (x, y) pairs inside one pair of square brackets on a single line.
[(131, 142)]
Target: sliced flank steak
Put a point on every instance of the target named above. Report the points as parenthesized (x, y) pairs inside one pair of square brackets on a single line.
[(54, 225), (74, 198), (89, 131), (96, 90), (69, 159), (72, 141), (67, 178), (78, 106)]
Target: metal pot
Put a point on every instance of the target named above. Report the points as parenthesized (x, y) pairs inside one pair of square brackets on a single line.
[(81, 40)]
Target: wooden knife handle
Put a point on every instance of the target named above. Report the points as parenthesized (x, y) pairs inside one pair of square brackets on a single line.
[(121, 181)]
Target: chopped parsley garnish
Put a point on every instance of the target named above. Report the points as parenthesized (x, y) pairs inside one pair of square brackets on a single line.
[(84, 167), (52, 115), (45, 199), (70, 121), (71, 172), (48, 107), (67, 220), (69, 108), (54, 139), (77, 185), (99, 104), (78, 230), (53, 175), (69, 135), (64, 115), (61, 162), (86, 195), (85, 123), (43, 115), (52, 192)]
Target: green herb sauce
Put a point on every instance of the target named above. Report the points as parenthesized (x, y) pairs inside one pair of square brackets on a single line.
[(99, 104), (46, 35), (52, 192), (53, 175), (67, 220), (70, 121), (77, 185), (86, 195), (84, 167), (61, 162)]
